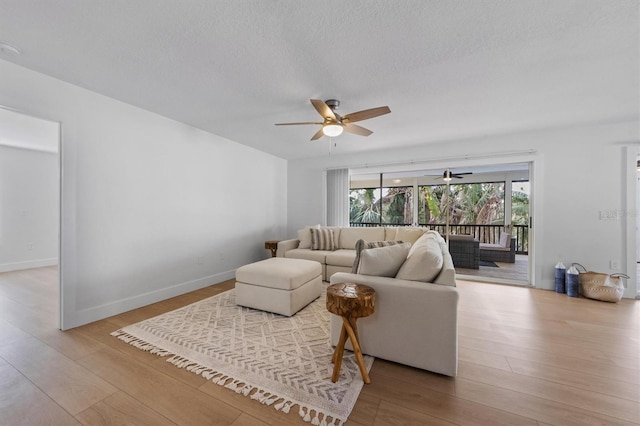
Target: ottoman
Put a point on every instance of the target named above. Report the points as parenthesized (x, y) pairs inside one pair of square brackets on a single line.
[(279, 285)]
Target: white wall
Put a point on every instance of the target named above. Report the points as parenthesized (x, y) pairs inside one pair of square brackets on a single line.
[(637, 214), (576, 176), (151, 208), (28, 208)]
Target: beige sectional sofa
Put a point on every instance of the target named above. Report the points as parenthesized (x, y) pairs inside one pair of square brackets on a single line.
[(415, 322), (345, 238)]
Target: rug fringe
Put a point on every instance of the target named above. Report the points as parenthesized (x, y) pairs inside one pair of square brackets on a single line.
[(263, 396), (139, 343)]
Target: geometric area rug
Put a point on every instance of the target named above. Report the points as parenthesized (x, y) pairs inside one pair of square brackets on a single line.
[(284, 362)]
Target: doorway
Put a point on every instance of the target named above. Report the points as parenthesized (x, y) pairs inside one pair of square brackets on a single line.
[(30, 211)]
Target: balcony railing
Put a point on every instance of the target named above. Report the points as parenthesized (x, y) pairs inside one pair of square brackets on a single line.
[(483, 233)]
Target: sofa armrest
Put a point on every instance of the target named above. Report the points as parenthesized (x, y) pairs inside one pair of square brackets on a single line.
[(285, 246), (414, 323)]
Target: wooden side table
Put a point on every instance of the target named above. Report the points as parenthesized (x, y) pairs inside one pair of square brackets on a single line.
[(272, 245), (350, 301)]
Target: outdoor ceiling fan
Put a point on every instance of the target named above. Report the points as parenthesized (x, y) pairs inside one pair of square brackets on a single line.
[(334, 124), (448, 175)]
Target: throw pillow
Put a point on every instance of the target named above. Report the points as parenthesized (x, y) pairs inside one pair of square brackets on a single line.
[(304, 235), (424, 261), (362, 245), (322, 239), (505, 239), (383, 261)]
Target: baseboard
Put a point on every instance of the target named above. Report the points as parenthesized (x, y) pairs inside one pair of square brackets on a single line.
[(97, 313), (28, 264)]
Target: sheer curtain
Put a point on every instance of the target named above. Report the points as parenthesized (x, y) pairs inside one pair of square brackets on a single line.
[(338, 197)]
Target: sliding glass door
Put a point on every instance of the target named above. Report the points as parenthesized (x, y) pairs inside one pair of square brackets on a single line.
[(488, 204)]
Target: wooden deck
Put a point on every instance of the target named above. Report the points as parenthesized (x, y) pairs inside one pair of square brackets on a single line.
[(516, 273)]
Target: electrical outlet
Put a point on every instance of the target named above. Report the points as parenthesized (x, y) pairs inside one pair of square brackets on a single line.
[(30, 246), (614, 264), (199, 260)]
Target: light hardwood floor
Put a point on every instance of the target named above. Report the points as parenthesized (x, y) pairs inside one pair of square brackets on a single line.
[(527, 357)]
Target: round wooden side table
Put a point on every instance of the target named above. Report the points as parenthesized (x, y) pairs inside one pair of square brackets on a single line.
[(350, 301)]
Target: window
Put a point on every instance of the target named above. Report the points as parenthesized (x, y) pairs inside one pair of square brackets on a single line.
[(472, 203), (483, 205), (381, 206), (520, 191)]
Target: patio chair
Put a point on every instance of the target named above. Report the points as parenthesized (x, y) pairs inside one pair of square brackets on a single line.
[(504, 251)]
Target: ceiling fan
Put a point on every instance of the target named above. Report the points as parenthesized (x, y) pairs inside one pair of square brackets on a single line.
[(448, 175), (334, 124)]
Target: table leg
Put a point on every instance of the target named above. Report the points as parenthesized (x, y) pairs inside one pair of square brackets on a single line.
[(337, 355), (346, 323), (341, 342)]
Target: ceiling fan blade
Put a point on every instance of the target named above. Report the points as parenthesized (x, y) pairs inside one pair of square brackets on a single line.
[(452, 175), (317, 135), (357, 130), (459, 175), (365, 114), (297, 124), (323, 109)]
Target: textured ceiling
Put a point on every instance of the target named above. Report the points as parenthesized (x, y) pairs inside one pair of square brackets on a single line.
[(448, 69)]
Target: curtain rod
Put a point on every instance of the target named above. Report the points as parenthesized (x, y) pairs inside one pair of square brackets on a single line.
[(440, 159)]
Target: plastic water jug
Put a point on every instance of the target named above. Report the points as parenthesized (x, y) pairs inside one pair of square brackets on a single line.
[(572, 282), (559, 275)]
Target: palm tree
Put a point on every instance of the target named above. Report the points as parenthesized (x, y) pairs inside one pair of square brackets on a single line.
[(363, 207), (398, 209)]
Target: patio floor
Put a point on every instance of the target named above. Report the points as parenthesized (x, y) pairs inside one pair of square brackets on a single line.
[(505, 271)]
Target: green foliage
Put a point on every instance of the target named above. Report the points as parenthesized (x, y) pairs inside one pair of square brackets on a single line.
[(519, 208), (363, 207), (467, 204), (394, 207)]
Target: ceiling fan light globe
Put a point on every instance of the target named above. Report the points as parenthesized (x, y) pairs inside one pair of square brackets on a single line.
[(332, 130)]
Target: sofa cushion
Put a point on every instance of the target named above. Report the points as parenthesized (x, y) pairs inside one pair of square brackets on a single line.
[(350, 236), (304, 235), (279, 273), (505, 239), (409, 234), (322, 239), (390, 233), (308, 254), (487, 246), (341, 257), (424, 261), (383, 261)]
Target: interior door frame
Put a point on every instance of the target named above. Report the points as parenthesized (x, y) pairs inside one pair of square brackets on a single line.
[(59, 207), (631, 214)]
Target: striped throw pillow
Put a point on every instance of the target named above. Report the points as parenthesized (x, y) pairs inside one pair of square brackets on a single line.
[(322, 239), (363, 245)]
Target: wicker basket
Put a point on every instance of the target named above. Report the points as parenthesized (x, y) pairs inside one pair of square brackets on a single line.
[(604, 287)]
